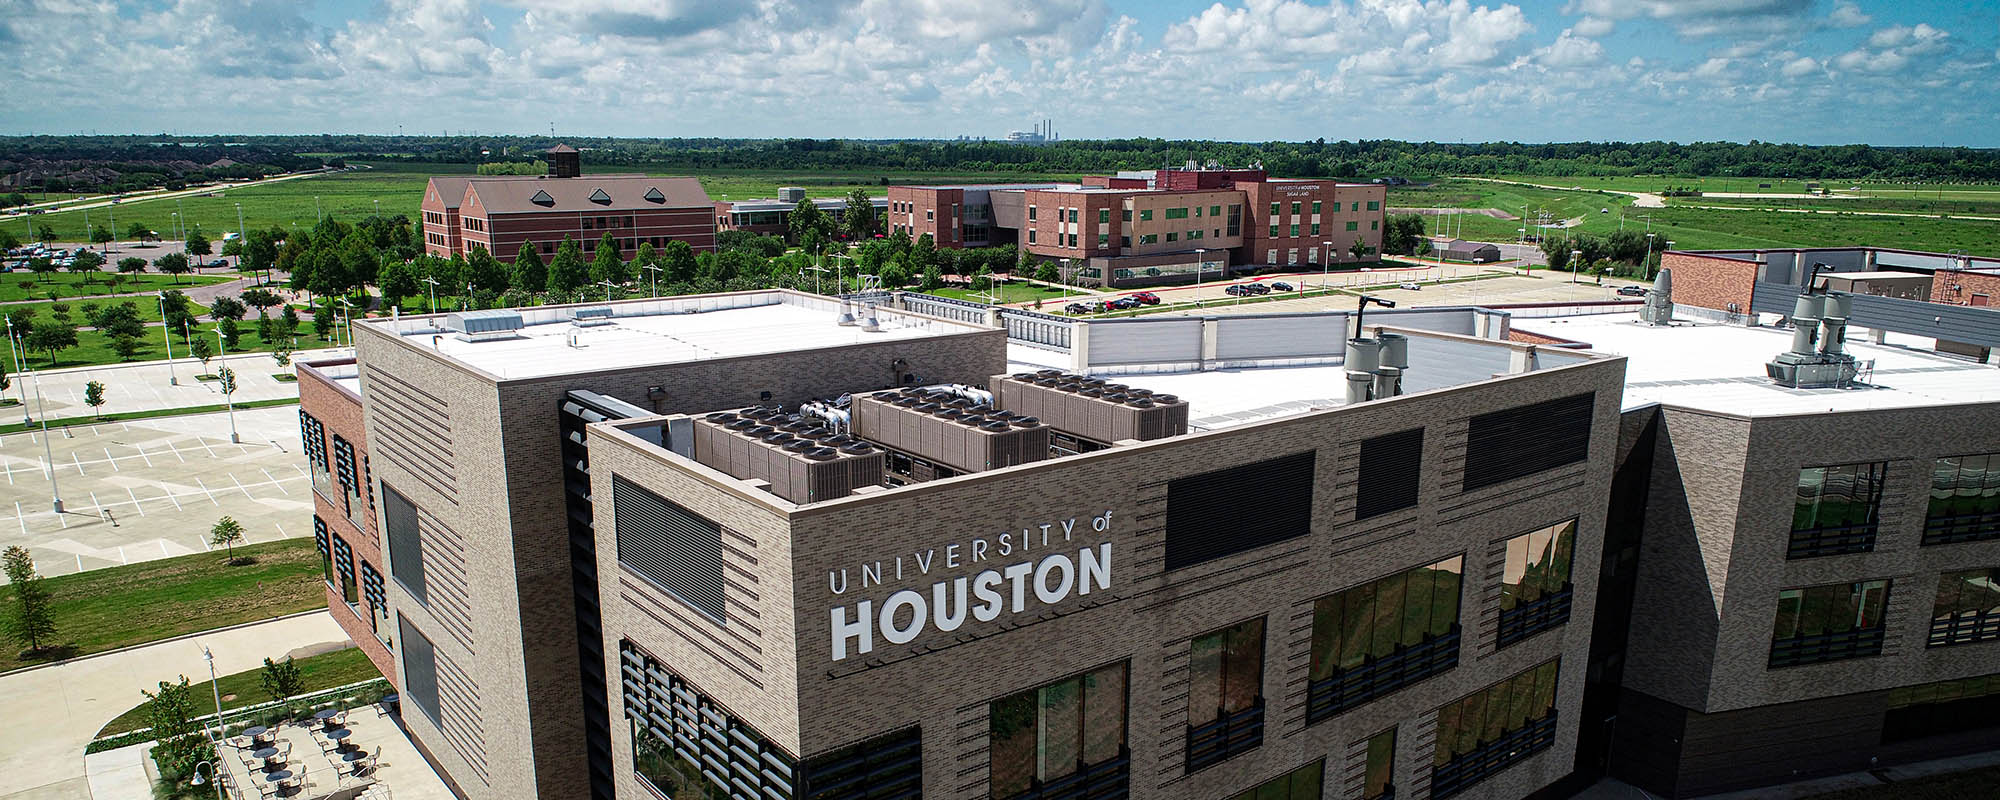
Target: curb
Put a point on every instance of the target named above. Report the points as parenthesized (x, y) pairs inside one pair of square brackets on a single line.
[(129, 647)]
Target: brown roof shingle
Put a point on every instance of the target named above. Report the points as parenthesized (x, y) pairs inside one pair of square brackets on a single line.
[(614, 193)]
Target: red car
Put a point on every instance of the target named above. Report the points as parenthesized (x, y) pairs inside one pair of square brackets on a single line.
[(1148, 298)]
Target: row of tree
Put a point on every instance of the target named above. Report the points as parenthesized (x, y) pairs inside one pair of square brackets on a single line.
[(1579, 252)]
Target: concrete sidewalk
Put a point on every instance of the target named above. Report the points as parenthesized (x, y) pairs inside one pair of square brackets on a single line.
[(143, 385), (53, 712)]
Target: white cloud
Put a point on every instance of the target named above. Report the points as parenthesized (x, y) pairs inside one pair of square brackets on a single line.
[(1594, 26), (1800, 67), (1848, 15), (1570, 51)]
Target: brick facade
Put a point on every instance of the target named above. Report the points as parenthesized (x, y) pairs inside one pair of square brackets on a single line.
[(338, 411), (1723, 284), (1966, 288)]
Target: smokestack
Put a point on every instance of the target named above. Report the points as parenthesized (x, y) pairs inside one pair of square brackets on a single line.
[(1833, 326)]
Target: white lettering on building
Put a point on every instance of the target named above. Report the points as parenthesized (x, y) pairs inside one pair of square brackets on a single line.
[(906, 613)]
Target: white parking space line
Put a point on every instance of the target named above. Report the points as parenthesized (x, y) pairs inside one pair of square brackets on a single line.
[(121, 555), (203, 440), (21, 518), (281, 530), (204, 489), (170, 496), (114, 462), (142, 454), (65, 523), (9, 466), (274, 480), (135, 501), (239, 485), (177, 450)]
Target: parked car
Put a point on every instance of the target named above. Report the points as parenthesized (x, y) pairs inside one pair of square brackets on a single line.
[(1238, 290), (1632, 291), (1410, 285), (1077, 308), (1148, 298), (1281, 286), (220, 262)]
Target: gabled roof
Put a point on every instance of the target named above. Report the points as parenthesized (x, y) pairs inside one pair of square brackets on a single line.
[(588, 193), (560, 148), (450, 189)]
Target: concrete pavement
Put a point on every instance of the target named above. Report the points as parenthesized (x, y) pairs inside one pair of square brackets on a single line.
[(142, 386), (52, 712)]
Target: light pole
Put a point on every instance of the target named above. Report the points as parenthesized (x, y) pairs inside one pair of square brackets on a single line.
[(316, 209), (607, 292), (242, 240), (1325, 261), (228, 385), (55, 492), (212, 776), (1200, 260), (434, 294), (1645, 264), (167, 335), (347, 319), (180, 214), (654, 291), (176, 227), (1575, 263), (213, 688)]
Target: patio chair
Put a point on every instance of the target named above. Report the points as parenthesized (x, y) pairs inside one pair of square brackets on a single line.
[(326, 743), (241, 742), (369, 762)]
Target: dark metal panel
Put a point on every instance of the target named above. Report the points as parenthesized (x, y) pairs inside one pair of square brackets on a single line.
[(674, 548), (1390, 464), (406, 544), (1518, 442), (420, 681), (1221, 513)]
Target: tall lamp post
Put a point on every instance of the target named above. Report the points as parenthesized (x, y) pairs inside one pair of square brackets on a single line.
[(433, 294), (167, 336), (242, 240), (55, 492), (1646, 264), (1325, 265), (654, 291), (14, 348), (1200, 261), (1575, 264), (228, 385)]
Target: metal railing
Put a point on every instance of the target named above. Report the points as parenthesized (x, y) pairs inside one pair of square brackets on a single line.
[(1955, 528), (1527, 619), (1964, 629), (1378, 677), (1489, 758), (1105, 780), (1824, 647), (1229, 735), (1832, 541)]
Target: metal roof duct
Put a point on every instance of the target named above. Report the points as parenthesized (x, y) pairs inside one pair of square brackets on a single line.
[(1822, 320), (480, 326)]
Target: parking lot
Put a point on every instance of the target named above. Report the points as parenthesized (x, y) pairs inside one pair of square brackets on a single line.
[(147, 489)]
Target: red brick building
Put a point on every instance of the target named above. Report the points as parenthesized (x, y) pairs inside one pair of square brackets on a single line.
[(336, 451), (1155, 227), (772, 217), (501, 213)]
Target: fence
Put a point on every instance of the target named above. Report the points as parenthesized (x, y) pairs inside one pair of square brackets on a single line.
[(248, 715)]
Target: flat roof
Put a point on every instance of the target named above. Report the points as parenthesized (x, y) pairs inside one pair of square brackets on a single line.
[(1876, 275), (645, 333), (1717, 367)]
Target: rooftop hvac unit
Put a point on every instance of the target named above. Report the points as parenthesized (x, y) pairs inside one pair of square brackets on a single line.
[(1818, 359), (804, 464), (590, 317), (480, 326), (792, 194), (1091, 408), (949, 430)]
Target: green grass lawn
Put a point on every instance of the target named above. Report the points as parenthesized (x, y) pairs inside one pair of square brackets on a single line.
[(752, 184), (323, 671), (94, 348), (116, 607), (1978, 205), (147, 308), (20, 285), (1954, 786), (1014, 292)]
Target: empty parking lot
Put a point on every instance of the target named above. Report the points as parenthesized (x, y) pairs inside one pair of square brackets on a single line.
[(146, 489)]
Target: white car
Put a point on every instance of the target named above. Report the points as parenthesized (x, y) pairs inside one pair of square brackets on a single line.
[(1410, 285)]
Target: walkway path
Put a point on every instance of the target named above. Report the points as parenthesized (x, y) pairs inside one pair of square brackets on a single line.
[(52, 712)]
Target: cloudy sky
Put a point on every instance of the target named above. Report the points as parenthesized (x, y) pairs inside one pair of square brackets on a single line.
[(1813, 71)]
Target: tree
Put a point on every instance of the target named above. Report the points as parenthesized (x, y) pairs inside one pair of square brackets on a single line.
[(138, 231), (282, 679), (566, 270), (100, 235), (932, 280), (227, 532), (1359, 249), (283, 355), (485, 272), (225, 380), (170, 712), (175, 264), (396, 281), (678, 262), (260, 299), (203, 351), (41, 265), (983, 279), (1401, 233), (51, 335), (606, 266), (322, 320), (923, 253), (197, 244), (1047, 273), (8, 240), (1556, 250), (86, 263), (131, 264), (807, 224), (859, 219), (31, 623), (232, 335), (645, 256), (93, 396), (288, 320), (45, 233), (529, 273), (127, 347), (121, 319), (260, 253), (225, 307)]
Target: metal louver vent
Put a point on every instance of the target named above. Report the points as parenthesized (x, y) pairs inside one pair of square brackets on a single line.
[(1208, 516), (1518, 442), (1390, 464), (671, 547)]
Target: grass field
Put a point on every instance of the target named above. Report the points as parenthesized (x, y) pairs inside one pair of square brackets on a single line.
[(95, 348), (1655, 183), (246, 688), (1014, 292), (117, 607), (29, 286), (1978, 205)]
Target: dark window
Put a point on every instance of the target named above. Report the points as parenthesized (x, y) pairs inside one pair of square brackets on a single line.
[(378, 599), (1829, 622), (1519, 442), (343, 565), (1836, 509), (420, 682), (323, 537), (1534, 584), (1389, 468), (1482, 733), (1303, 783), (406, 543), (1225, 694), (1383, 635), (1942, 708), (674, 548), (1965, 500), (1228, 511), (347, 472), (685, 744), (1063, 740), (1967, 609), (1378, 777), (886, 766)]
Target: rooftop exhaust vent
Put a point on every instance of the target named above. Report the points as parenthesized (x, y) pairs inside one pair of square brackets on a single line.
[(481, 326), (1817, 319), (591, 317), (542, 198), (1659, 308)]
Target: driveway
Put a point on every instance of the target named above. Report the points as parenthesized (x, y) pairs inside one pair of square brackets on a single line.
[(52, 712)]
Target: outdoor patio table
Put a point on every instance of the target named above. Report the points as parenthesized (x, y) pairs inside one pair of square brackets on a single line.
[(326, 715), (280, 775), (266, 754), (257, 732), (340, 735)]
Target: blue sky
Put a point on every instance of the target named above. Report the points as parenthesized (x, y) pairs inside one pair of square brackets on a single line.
[(1812, 71)]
